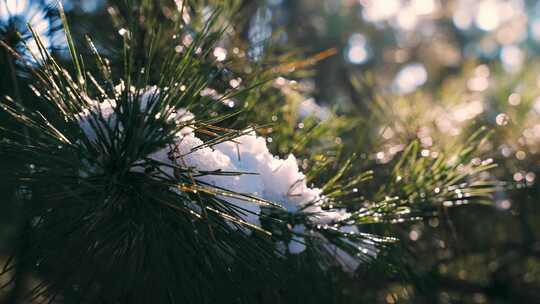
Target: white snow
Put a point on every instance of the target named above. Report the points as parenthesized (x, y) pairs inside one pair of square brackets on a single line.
[(277, 180), (297, 244)]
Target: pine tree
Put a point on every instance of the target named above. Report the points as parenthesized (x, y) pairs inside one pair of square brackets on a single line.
[(166, 162)]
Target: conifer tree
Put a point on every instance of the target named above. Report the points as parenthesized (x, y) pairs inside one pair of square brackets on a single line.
[(162, 159)]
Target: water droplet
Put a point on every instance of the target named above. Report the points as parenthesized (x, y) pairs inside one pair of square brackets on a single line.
[(514, 99), (414, 235), (502, 119), (448, 204), (123, 32), (220, 54), (504, 204), (234, 83), (487, 161), (521, 155)]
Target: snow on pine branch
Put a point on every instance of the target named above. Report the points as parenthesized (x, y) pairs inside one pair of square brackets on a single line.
[(270, 177)]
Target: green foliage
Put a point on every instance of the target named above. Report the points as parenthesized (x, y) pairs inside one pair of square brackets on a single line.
[(97, 231)]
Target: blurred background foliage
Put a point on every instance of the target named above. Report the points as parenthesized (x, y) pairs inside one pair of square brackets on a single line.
[(368, 77)]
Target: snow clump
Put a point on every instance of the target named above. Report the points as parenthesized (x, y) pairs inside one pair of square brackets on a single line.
[(271, 178)]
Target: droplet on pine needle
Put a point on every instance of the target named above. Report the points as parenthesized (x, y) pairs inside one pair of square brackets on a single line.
[(514, 99), (530, 177), (448, 204), (123, 32), (502, 119), (220, 53), (234, 83), (521, 155), (503, 204)]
